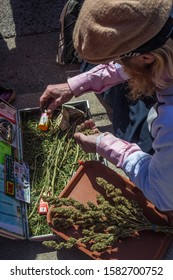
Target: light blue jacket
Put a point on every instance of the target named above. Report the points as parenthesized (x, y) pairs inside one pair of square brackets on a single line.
[(154, 174)]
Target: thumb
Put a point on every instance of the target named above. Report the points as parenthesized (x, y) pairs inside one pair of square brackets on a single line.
[(58, 102), (80, 137)]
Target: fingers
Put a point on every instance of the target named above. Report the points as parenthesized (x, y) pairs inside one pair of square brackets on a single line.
[(81, 140), (82, 126), (55, 95), (52, 106), (90, 124), (46, 102), (80, 137), (43, 99), (96, 131), (87, 143), (87, 125)]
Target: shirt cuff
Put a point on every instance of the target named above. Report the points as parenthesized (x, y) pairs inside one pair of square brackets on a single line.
[(114, 149), (79, 84)]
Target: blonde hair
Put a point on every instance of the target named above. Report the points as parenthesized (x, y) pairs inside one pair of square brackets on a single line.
[(146, 79)]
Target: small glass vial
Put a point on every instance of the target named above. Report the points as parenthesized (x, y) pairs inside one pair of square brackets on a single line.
[(44, 121)]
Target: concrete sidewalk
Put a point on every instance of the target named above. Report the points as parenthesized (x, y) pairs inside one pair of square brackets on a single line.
[(28, 45)]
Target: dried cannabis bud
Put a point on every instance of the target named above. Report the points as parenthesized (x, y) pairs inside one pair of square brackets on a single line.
[(101, 225)]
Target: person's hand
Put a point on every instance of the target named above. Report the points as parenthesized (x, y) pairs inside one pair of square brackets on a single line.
[(54, 96), (87, 142)]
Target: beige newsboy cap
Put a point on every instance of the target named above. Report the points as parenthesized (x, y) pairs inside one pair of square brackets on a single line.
[(107, 29)]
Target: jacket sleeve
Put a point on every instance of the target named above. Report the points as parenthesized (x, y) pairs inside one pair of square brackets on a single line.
[(153, 175), (98, 79)]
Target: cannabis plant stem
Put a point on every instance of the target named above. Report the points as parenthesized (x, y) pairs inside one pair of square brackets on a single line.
[(37, 202), (55, 168), (75, 159)]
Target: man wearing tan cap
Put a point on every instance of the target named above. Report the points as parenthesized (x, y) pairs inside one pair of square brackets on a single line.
[(134, 42)]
